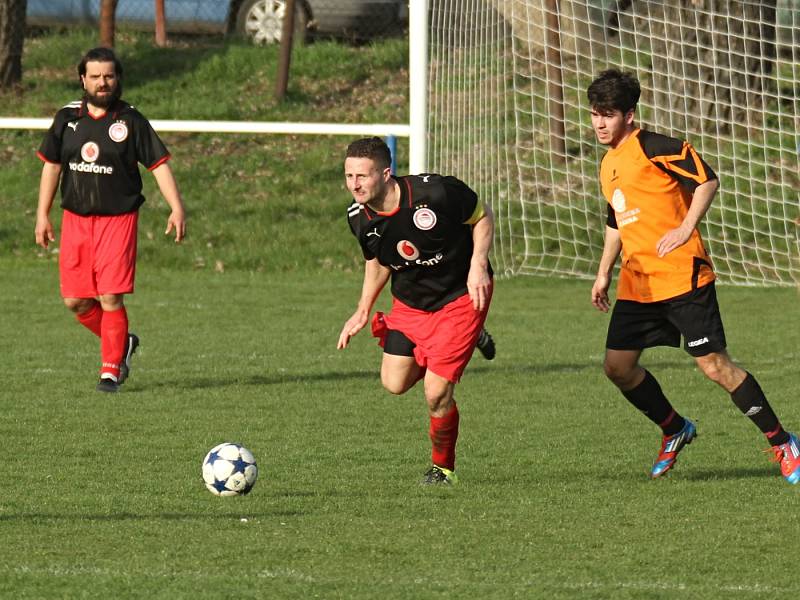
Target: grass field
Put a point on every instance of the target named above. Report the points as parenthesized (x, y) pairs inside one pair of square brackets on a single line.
[(103, 495)]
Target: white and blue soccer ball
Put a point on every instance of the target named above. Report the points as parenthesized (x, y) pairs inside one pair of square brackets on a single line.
[(229, 470)]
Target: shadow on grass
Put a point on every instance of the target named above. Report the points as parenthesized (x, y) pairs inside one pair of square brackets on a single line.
[(126, 516), (276, 379), (330, 376)]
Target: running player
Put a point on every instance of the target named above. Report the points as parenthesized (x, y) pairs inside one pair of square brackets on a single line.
[(93, 149), (658, 189), (431, 236)]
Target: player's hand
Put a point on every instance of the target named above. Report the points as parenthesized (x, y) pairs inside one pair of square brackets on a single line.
[(674, 238), (44, 232), (479, 285), (353, 326), (176, 222), (600, 293)]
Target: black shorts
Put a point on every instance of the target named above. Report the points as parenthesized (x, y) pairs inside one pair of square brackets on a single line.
[(397, 343), (695, 315)]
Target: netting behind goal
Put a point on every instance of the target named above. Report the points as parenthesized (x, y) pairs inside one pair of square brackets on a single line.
[(508, 114)]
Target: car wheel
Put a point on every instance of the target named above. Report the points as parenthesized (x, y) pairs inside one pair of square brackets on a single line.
[(261, 21)]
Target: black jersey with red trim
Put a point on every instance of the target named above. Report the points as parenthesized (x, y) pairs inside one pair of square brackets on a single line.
[(426, 241), (100, 156)]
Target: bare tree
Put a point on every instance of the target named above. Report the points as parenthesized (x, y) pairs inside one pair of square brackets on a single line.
[(12, 36), (108, 10)]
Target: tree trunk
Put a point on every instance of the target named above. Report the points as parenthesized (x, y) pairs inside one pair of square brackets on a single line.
[(108, 10), (161, 24), (12, 36)]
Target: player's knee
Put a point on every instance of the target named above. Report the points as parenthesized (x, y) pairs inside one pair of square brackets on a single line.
[(394, 386), (619, 374), (721, 370), (78, 305)]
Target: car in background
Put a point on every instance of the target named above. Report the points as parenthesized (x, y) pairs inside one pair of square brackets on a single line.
[(258, 20)]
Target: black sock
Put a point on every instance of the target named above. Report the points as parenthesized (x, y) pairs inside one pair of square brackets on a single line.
[(750, 399), (651, 401)]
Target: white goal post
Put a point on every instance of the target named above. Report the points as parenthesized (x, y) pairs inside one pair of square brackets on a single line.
[(508, 114)]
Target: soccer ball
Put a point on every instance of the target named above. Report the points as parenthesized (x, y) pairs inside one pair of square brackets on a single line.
[(229, 470)]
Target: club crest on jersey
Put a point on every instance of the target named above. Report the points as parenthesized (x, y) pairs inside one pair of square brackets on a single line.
[(618, 200), (424, 219), (118, 131), (90, 152), (407, 250)]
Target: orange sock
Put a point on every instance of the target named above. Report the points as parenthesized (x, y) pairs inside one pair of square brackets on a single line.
[(113, 335), (444, 433), (92, 318)]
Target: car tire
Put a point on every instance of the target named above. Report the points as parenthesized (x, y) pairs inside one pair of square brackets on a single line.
[(261, 21)]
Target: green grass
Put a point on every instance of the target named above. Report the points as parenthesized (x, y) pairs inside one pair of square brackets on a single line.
[(103, 496), (252, 200)]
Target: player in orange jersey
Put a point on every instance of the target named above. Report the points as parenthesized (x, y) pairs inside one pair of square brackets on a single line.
[(658, 189)]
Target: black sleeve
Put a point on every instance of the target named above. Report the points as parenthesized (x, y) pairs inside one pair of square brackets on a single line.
[(353, 223), (676, 158), (50, 148), (611, 217), (150, 150), (460, 198)]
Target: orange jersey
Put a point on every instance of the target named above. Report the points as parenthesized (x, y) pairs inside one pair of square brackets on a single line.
[(648, 181)]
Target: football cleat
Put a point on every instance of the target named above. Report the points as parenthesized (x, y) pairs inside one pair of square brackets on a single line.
[(131, 344), (107, 384), (439, 476), (486, 345), (670, 446), (788, 455)]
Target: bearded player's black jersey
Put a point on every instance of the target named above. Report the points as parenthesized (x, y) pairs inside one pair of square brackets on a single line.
[(99, 157), (426, 241)]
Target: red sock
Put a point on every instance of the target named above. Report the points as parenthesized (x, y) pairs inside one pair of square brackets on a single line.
[(113, 335), (92, 318), (444, 433)]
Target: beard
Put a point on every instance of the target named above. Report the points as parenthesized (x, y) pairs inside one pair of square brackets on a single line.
[(103, 101)]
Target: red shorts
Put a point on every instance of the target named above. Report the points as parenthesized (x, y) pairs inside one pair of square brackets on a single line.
[(97, 254), (444, 339)]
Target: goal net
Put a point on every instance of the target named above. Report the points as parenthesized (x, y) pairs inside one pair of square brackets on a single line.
[(508, 114)]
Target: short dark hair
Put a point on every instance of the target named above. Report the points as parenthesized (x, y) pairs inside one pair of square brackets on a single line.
[(373, 148), (614, 90), (100, 54)]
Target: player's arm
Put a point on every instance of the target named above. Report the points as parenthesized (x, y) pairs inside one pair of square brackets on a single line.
[(375, 277), (169, 189), (612, 246), (48, 184), (478, 279), (701, 201)]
